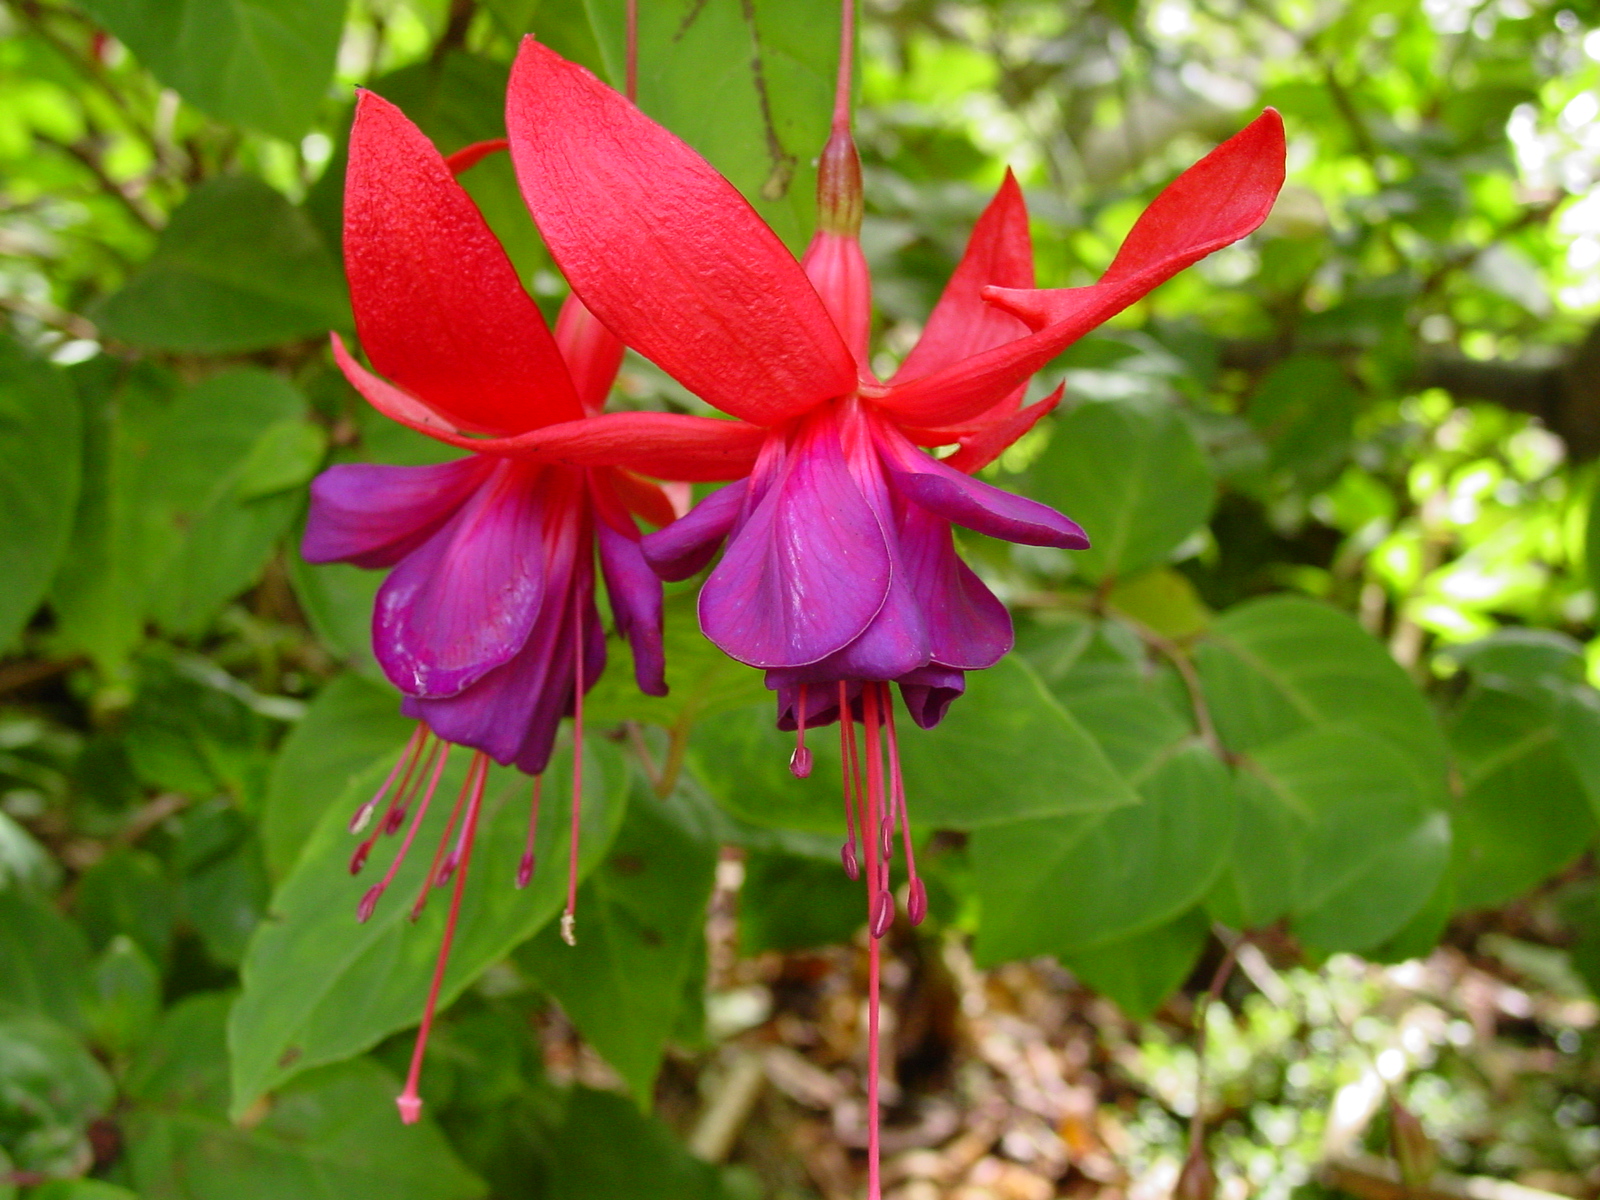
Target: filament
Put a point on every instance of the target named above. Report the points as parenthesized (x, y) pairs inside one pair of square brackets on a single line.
[(409, 1101), (525, 867), (370, 900)]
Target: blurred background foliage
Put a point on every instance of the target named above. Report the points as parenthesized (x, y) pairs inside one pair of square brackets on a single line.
[(1269, 853)]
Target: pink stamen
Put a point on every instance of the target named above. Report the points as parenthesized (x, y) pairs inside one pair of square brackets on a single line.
[(525, 867), (852, 783), (370, 900), (880, 912), (569, 919), (917, 897), (358, 822), (874, 796), (800, 762), (409, 1101), (435, 877), (409, 786)]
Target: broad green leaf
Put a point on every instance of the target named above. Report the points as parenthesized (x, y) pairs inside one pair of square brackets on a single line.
[(1318, 809), (79, 1189), (51, 1088), (125, 999), (1522, 812), (1282, 664), (1524, 655), (127, 893), (1304, 409), (747, 83), (792, 903), (319, 986), (98, 595), (1071, 883), (351, 723), (640, 914), (1141, 971), (187, 736), (337, 599), (702, 681), (1577, 722), (44, 960), (1385, 896), (1134, 477), (41, 451), (222, 880), (262, 63), (1007, 751), (237, 268), (285, 456), (203, 541), (1419, 935), (607, 1150), (24, 863), (334, 1132)]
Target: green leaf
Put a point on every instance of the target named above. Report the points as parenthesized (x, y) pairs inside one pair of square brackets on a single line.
[(1318, 810), (793, 903), (222, 881), (285, 456), (320, 986), (44, 960), (79, 1189), (1006, 751), (1393, 890), (337, 599), (351, 723), (41, 451), (51, 1088), (702, 681), (263, 63), (1282, 664), (203, 541), (607, 1150), (1134, 477), (127, 893), (1304, 409), (98, 595), (333, 1132), (237, 268), (126, 997), (1140, 972), (640, 914), (747, 83), (1068, 883), (1522, 812), (187, 736)]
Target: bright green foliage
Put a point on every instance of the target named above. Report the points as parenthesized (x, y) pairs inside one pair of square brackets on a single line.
[(40, 463), (1322, 683)]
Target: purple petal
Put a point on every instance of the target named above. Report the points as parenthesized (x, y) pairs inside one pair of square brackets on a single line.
[(928, 693), (975, 505), (373, 516), (464, 602), (809, 569), (682, 548), (514, 712), (822, 700), (635, 593), (968, 628)]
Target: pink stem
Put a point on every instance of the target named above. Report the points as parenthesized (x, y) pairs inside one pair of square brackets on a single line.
[(409, 1101), (633, 51)]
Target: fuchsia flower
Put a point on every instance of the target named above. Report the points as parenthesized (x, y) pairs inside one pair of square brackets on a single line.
[(487, 621), (840, 574)]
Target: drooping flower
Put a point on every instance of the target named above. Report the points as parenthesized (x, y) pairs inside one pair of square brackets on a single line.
[(487, 622), (840, 574), (840, 571)]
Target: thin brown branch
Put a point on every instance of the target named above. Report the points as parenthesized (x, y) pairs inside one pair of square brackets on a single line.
[(51, 317)]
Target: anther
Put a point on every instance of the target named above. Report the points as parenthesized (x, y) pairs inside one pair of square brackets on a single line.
[(882, 913), (917, 902)]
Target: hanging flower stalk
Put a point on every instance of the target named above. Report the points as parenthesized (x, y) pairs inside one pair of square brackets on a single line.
[(840, 575), (487, 622)]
